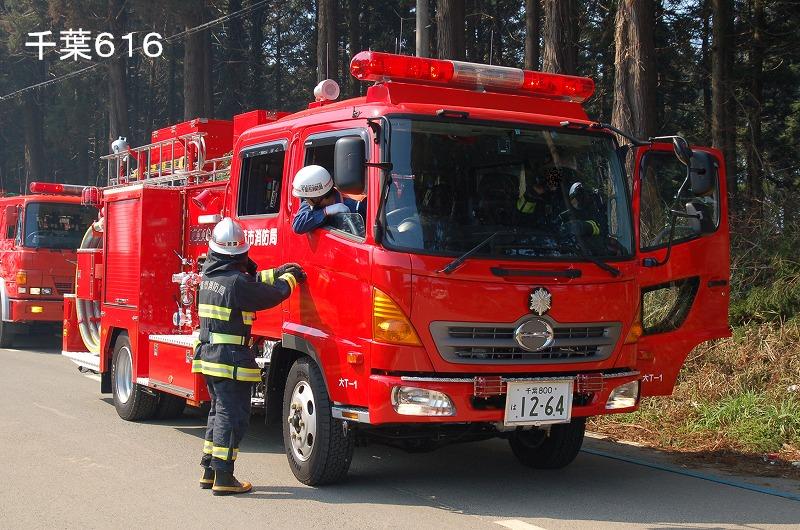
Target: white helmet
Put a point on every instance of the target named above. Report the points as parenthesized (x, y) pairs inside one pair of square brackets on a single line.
[(228, 238), (311, 182)]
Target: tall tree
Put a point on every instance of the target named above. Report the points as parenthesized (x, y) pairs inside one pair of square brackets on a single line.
[(450, 29), (423, 42), (755, 103), (560, 36), (117, 86), (196, 69), (723, 121), (354, 39), (234, 63), (533, 32), (327, 56), (634, 64)]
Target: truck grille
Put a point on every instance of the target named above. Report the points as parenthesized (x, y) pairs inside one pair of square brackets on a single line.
[(64, 287), (462, 342)]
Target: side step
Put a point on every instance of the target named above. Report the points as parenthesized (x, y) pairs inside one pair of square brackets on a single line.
[(84, 359)]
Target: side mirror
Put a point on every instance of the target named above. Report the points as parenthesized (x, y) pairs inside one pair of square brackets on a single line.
[(702, 173), (349, 164), (682, 150)]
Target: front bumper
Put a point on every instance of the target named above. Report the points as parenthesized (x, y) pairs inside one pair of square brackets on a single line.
[(480, 399), (36, 310)]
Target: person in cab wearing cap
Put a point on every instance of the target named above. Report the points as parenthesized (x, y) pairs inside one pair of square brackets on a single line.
[(314, 185), (231, 291)]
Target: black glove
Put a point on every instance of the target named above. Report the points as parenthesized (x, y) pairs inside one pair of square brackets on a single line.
[(251, 267), (294, 269)]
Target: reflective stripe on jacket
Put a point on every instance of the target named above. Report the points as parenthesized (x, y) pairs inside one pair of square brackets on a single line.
[(228, 300)]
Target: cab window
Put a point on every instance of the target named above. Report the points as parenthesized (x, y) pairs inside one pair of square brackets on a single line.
[(320, 151), (664, 189), (260, 182)]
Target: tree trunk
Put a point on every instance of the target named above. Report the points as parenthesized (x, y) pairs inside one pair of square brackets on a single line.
[(36, 167), (234, 68), (533, 30), (117, 89), (172, 115), (450, 29), (705, 75), (327, 55), (755, 166), (208, 85), (354, 40), (723, 131), (560, 36), (194, 70), (423, 43), (256, 59), (634, 63)]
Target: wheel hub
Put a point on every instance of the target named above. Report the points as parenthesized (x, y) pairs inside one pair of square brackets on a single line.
[(124, 375), (302, 421)]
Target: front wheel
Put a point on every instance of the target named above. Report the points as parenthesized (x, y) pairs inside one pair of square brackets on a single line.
[(318, 449), (130, 399), (554, 450)]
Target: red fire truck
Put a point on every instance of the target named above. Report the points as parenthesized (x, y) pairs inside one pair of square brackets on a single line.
[(38, 237), (510, 277)]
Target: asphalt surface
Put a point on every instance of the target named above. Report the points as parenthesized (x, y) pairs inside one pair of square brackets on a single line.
[(71, 462)]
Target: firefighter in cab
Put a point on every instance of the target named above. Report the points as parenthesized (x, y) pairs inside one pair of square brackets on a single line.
[(231, 291), (321, 199)]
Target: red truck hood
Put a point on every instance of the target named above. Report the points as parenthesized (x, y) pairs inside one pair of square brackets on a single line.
[(466, 319)]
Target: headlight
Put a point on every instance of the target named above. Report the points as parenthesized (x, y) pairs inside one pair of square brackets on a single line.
[(35, 290), (412, 401), (624, 396)]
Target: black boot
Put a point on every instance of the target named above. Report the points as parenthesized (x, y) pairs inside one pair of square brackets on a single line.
[(208, 478), (226, 484)]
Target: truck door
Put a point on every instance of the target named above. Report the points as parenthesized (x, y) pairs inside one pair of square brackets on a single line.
[(333, 311), (684, 290), (258, 206)]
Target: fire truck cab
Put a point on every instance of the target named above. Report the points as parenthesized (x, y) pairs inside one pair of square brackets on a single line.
[(510, 277), (38, 237)]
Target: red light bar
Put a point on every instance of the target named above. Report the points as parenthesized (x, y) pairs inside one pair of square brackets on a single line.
[(379, 66), (56, 189)]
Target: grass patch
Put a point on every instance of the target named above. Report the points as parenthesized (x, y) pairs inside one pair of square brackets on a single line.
[(735, 394)]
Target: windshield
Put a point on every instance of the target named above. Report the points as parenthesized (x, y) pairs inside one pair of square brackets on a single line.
[(57, 226), (546, 193)]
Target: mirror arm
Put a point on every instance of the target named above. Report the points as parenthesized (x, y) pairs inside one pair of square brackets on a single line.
[(638, 142)]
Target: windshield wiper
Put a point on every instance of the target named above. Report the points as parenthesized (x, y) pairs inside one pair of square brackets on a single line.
[(583, 253), (456, 263)]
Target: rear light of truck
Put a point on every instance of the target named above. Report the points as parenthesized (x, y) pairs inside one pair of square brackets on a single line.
[(22, 277), (378, 66), (389, 324)]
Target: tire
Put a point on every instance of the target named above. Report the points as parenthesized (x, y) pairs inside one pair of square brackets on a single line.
[(130, 399), (326, 459), (6, 334), (169, 407), (558, 449)]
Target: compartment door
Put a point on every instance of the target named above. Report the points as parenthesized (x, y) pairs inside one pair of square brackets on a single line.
[(684, 300)]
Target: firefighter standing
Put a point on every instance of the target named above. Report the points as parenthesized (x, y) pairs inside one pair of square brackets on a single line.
[(321, 199), (230, 294)]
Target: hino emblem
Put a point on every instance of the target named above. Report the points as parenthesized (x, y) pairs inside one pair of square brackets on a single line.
[(534, 334), (540, 300)]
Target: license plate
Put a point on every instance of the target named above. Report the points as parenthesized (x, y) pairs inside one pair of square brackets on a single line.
[(538, 402)]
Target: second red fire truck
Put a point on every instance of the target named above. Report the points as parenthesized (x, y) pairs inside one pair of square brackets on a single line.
[(509, 279)]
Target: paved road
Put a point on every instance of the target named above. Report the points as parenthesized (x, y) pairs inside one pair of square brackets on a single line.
[(70, 461)]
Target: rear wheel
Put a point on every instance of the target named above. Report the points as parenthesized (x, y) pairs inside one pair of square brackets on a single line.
[(318, 449), (130, 399), (540, 450), (6, 334)]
